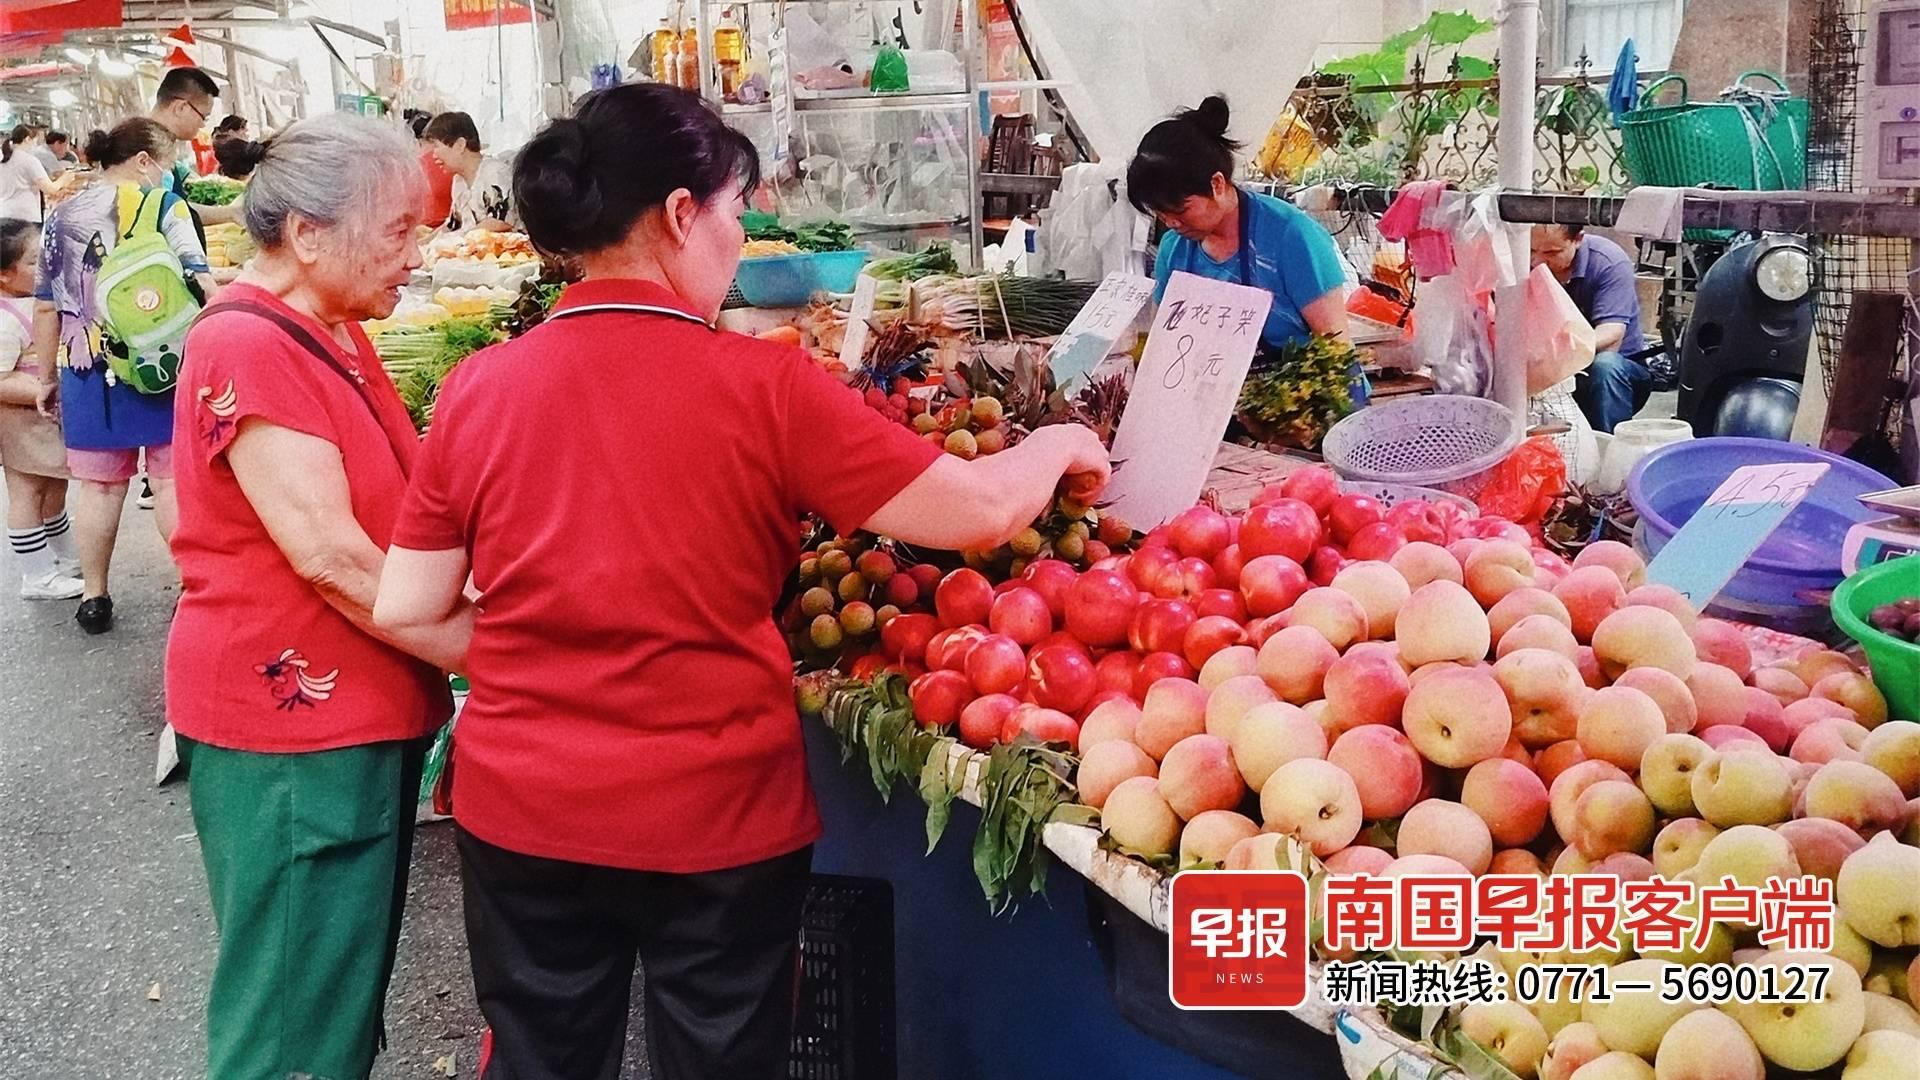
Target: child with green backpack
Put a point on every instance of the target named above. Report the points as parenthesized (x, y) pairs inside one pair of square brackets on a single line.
[(122, 277)]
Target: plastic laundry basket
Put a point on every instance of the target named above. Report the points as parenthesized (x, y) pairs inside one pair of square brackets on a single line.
[(1446, 441)]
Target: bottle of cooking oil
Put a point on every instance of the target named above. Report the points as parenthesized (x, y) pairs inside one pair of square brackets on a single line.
[(689, 73), (729, 53), (660, 45)]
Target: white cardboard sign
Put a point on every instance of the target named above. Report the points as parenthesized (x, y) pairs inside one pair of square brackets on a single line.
[(1091, 334), (1184, 392), (853, 347)]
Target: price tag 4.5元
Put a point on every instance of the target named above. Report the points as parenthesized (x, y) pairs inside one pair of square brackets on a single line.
[(1730, 526)]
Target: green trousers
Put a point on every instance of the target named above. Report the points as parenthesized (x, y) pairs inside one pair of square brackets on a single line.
[(307, 858)]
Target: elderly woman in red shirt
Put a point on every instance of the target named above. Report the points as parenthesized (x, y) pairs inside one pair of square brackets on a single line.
[(629, 775), (302, 723)]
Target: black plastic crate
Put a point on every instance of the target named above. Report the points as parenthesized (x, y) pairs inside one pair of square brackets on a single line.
[(843, 1025)]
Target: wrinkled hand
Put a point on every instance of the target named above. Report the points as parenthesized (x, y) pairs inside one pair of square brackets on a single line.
[(48, 400)]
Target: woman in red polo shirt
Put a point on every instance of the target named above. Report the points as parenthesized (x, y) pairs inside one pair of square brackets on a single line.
[(629, 774), (302, 725)]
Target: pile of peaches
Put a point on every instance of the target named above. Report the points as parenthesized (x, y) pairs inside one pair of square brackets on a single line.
[(1472, 709)]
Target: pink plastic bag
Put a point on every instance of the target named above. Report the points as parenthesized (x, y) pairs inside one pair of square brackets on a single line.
[(1559, 340)]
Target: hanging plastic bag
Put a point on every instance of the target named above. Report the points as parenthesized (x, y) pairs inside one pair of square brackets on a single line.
[(1453, 337), (1559, 340), (1522, 488)]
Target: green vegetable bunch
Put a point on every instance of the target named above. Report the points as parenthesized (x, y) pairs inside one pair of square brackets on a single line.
[(1299, 395), (936, 259), (213, 191), (419, 359), (807, 236)]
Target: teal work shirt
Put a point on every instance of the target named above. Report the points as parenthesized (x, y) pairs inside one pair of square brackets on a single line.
[(1289, 255)]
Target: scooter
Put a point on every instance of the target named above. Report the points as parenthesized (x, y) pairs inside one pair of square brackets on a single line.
[(1743, 354)]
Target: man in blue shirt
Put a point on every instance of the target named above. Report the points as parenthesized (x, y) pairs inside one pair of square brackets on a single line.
[(1598, 276)]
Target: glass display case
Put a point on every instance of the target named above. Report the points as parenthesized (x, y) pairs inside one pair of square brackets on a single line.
[(899, 164)]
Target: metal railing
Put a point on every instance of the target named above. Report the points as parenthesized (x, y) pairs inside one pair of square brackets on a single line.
[(1447, 129)]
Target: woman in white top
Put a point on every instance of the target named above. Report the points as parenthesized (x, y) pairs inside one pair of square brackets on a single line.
[(482, 185), (23, 180)]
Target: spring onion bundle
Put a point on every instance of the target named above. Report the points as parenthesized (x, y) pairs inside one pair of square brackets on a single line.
[(419, 357), (1003, 306)]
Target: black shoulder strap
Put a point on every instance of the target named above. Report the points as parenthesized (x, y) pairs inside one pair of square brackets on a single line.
[(304, 338)]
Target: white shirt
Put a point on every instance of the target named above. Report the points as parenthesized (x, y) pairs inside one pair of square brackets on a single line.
[(20, 179), (490, 196)]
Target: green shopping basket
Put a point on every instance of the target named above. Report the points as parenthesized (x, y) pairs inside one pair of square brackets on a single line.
[(1749, 140)]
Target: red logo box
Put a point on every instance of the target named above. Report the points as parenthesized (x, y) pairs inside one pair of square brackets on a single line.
[(1238, 940)]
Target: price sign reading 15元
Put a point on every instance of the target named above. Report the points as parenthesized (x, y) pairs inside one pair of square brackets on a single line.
[(1188, 382), (1730, 526)]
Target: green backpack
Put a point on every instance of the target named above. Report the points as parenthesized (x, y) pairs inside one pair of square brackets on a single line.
[(145, 305)]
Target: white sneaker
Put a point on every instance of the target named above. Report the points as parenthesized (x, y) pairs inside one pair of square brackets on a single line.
[(53, 586), (144, 500)]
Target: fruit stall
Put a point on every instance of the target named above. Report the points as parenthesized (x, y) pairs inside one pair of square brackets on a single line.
[(1355, 648)]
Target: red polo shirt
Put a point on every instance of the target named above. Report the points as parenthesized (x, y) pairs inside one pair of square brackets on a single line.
[(626, 485), (256, 660)]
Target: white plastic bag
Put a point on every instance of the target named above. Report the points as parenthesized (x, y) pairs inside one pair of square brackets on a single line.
[(1452, 336)]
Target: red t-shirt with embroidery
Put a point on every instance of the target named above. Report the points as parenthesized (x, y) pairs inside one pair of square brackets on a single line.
[(257, 660), (628, 486)]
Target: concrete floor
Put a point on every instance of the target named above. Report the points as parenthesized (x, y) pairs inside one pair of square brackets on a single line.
[(103, 903)]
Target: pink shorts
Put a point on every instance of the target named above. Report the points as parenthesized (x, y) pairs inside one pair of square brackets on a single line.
[(119, 466)]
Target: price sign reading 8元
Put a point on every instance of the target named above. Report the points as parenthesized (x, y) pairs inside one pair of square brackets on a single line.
[(1190, 375)]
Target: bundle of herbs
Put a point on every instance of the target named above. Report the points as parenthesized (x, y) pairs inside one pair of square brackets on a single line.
[(419, 357), (1301, 392)]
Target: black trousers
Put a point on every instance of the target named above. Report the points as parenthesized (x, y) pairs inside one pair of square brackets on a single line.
[(554, 943)]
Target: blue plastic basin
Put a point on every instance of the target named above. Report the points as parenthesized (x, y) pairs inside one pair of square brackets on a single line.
[(1800, 561), (839, 270), (778, 280)]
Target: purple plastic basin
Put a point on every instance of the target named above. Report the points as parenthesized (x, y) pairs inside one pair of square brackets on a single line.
[(1802, 556)]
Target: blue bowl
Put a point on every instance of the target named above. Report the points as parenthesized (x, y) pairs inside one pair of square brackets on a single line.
[(775, 281), (1800, 561), (839, 269)]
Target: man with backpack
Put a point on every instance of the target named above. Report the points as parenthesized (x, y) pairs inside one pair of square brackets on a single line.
[(118, 271)]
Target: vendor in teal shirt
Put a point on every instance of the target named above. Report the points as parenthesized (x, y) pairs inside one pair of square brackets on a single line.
[(1182, 175)]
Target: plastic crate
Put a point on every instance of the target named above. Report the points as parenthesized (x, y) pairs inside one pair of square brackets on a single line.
[(843, 1025)]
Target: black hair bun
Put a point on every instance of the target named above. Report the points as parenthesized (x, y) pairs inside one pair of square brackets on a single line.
[(99, 144), (554, 189), (1212, 115)]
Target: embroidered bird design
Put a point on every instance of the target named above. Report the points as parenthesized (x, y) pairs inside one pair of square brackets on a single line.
[(290, 684)]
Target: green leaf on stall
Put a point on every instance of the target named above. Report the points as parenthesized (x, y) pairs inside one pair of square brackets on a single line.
[(1076, 814), (938, 788), (1471, 1058), (1024, 783), (1454, 27), (1383, 834)]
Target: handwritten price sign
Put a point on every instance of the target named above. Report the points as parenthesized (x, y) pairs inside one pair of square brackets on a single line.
[(1197, 355), (1107, 314), (1730, 526)]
